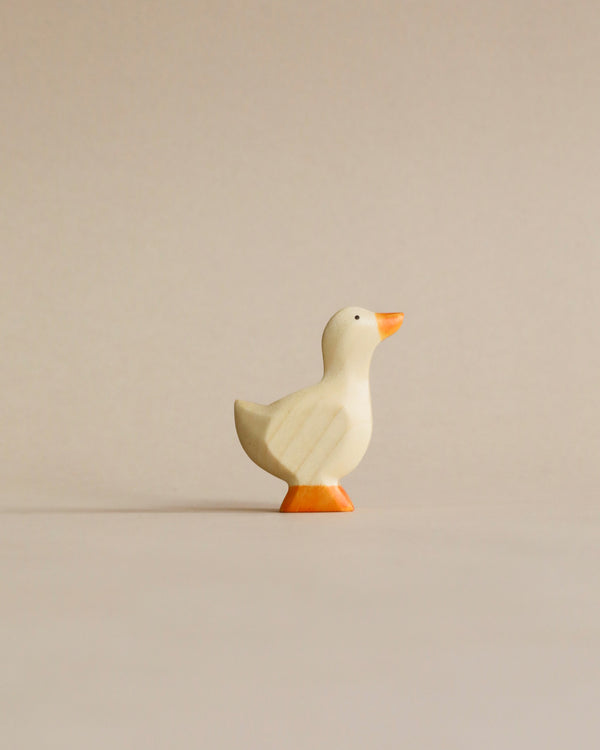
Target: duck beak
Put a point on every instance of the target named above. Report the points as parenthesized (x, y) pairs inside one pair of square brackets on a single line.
[(388, 323)]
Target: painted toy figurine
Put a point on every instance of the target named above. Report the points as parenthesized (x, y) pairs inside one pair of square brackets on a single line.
[(314, 437)]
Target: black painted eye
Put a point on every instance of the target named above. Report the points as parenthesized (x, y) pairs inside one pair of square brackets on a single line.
[(357, 317)]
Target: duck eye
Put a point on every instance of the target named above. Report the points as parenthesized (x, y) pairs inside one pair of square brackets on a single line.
[(357, 317)]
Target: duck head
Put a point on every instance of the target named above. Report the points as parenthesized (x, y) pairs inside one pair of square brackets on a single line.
[(350, 338)]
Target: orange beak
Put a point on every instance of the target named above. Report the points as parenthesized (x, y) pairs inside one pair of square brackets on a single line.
[(388, 323)]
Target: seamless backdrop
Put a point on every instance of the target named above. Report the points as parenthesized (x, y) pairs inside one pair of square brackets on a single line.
[(190, 190)]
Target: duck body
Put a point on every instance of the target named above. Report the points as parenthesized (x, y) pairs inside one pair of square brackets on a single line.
[(312, 437), (315, 436)]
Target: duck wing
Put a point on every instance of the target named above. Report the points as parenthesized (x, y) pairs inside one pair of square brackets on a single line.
[(304, 430)]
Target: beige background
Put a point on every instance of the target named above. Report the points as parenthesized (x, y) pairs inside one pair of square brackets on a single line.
[(188, 192)]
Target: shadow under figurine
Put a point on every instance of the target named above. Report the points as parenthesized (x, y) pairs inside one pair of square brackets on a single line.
[(314, 437)]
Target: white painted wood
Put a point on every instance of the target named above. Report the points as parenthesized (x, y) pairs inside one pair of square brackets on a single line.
[(319, 434)]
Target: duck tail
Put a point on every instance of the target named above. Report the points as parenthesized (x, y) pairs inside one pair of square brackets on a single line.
[(250, 424)]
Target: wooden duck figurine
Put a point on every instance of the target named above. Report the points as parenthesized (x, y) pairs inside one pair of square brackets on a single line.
[(315, 436)]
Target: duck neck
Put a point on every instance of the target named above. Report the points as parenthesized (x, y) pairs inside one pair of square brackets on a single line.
[(354, 369)]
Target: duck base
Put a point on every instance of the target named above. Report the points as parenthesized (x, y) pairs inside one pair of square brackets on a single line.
[(319, 498)]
